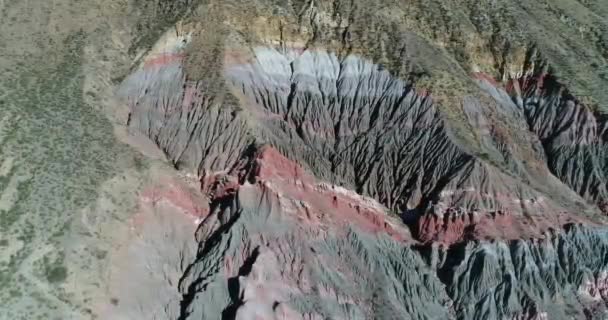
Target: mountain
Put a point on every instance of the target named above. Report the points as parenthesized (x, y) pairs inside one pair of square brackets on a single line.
[(308, 160)]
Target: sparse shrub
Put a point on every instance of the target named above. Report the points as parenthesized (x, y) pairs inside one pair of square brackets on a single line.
[(56, 274)]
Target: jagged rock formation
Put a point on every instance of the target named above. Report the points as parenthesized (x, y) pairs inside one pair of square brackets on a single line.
[(498, 163), (272, 249), (328, 160), (572, 134), (550, 278), (352, 124), (358, 126)]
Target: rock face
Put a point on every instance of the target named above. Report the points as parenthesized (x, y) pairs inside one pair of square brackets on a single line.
[(319, 160), (359, 127), (282, 245), (338, 189)]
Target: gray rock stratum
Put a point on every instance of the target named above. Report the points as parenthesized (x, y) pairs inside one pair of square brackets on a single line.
[(307, 160)]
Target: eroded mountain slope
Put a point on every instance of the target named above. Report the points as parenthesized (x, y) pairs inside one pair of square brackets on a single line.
[(458, 157), (330, 159)]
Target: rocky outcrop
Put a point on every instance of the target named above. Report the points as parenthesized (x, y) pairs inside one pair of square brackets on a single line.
[(326, 159), (338, 189), (278, 243), (328, 178), (554, 277), (355, 125), (286, 246), (572, 134)]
